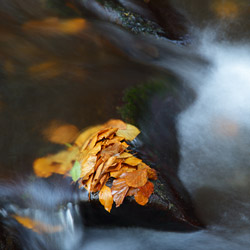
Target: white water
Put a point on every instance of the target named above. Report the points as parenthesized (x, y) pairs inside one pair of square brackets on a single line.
[(214, 134)]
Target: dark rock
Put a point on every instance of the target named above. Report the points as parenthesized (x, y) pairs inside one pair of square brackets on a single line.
[(173, 22), (7, 240), (137, 16), (164, 211)]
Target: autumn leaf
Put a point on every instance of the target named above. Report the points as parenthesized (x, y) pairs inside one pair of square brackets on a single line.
[(132, 161), (105, 198), (56, 26), (130, 133), (115, 124), (75, 172), (88, 166), (137, 178), (83, 137), (60, 133), (125, 169), (37, 226), (60, 163), (119, 190), (141, 199), (147, 189)]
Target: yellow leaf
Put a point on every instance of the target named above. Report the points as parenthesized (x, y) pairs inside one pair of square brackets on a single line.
[(59, 163), (88, 166), (37, 226), (132, 161), (86, 135), (105, 197), (130, 133)]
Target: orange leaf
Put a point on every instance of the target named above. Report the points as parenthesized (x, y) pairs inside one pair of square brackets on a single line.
[(119, 190), (88, 166), (116, 124), (106, 133), (112, 150), (141, 199), (152, 174), (125, 169), (147, 189), (124, 155), (86, 135), (37, 226), (61, 133), (105, 197), (56, 26), (132, 191), (137, 178), (59, 163)]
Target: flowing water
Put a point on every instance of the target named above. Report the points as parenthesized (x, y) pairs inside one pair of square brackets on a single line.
[(79, 78)]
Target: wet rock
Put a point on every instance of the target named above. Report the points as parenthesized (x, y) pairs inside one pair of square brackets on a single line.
[(173, 22), (154, 107), (164, 211), (137, 16), (7, 240)]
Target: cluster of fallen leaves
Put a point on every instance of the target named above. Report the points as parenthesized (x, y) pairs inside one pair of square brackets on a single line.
[(100, 154)]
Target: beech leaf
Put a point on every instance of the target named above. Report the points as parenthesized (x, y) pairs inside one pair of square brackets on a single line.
[(129, 133), (75, 172), (105, 198)]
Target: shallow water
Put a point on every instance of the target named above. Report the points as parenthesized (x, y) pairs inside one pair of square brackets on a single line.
[(79, 79)]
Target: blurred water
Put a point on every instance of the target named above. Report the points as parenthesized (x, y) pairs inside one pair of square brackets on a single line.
[(79, 78)]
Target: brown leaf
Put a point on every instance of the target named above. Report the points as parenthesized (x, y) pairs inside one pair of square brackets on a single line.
[(152, 174), (109, 163), (87, 184), (105, 197), (88, 166), (125, 169), (137, 178), (112, 150), (116, 139), (106, 133), (98, 175), (130, 133), (119, 190)]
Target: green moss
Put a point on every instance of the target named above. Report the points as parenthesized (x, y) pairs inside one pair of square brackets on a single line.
[(137, 99)]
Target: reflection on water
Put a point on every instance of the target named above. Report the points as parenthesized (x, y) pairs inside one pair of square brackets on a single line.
[(72, 75)]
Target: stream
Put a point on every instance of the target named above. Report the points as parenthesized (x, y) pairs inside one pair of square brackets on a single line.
[(59, 77)]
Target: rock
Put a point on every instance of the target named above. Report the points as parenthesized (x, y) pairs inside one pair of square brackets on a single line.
[(137, 16), (173, 22), (7, 240), (164, 211)]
